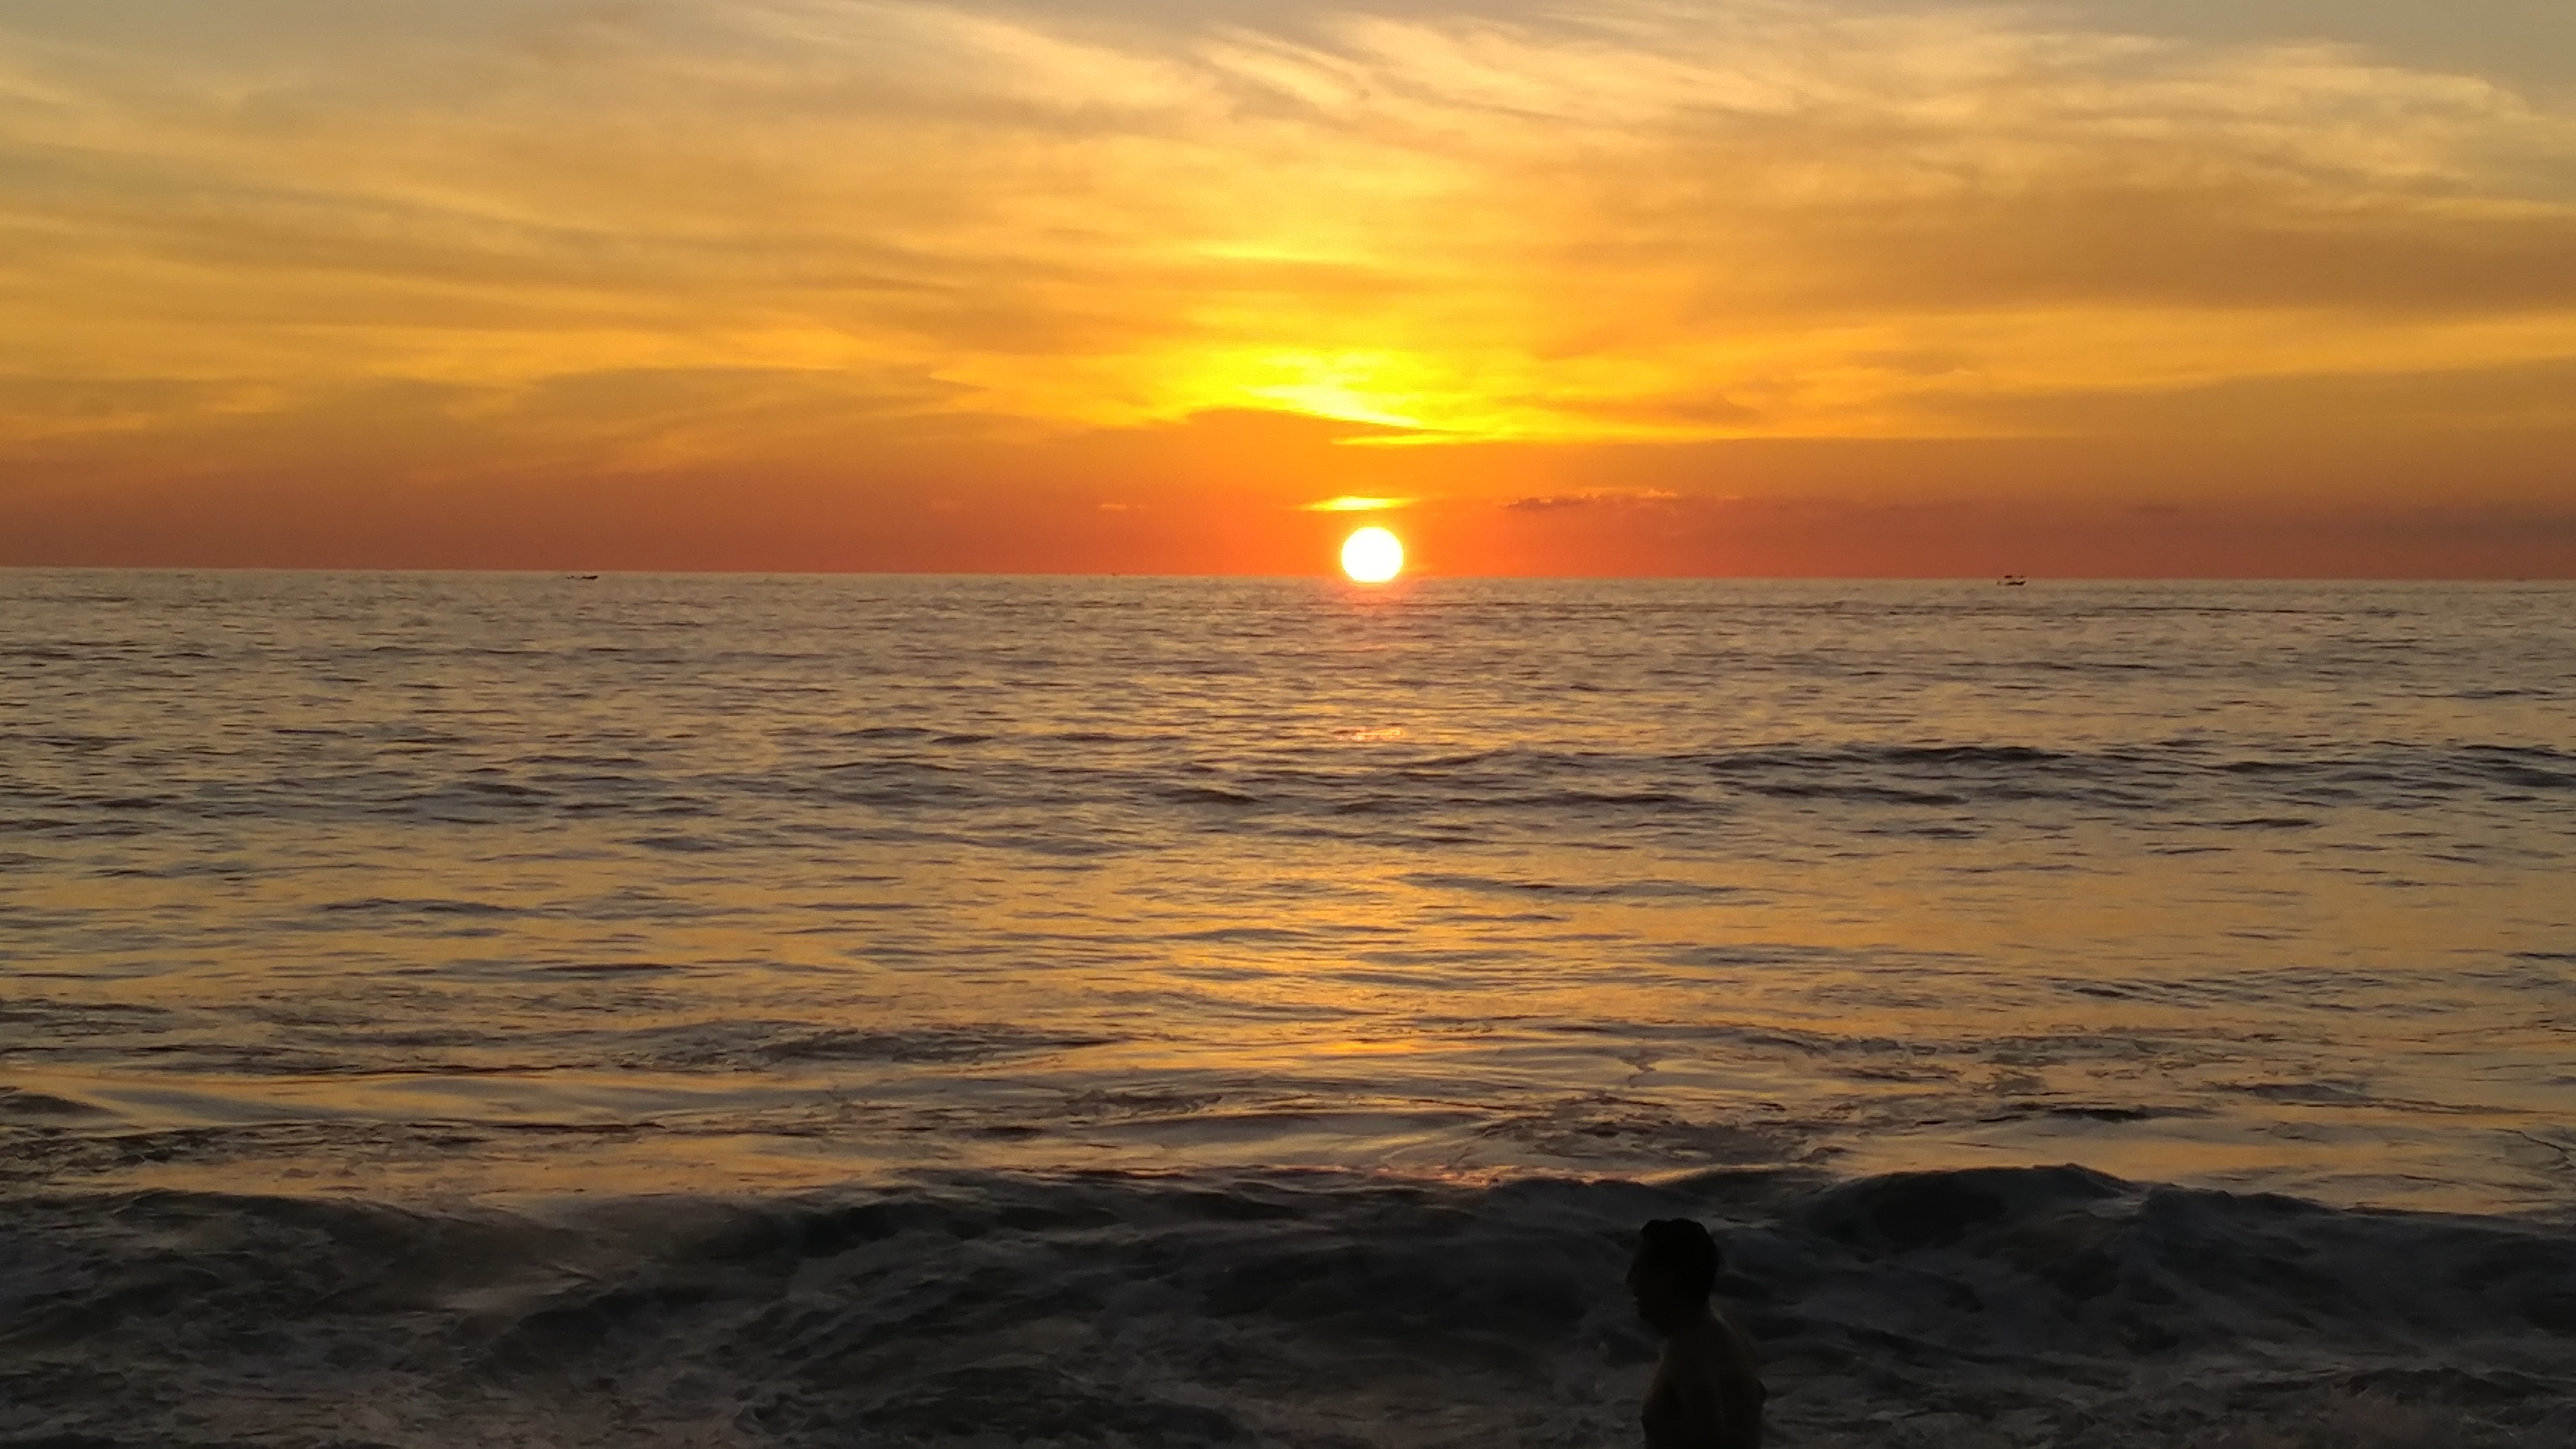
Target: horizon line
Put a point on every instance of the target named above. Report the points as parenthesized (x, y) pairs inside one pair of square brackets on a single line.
[(575, 572)]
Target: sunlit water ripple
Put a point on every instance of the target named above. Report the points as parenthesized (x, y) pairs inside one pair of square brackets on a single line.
[(420, 884)]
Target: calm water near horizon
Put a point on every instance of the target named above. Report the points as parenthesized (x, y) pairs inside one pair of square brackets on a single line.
[(417, 884)]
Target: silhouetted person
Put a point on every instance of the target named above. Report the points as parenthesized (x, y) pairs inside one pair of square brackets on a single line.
[(1708, 1388)]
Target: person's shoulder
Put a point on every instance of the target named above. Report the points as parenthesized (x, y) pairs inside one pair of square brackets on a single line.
[(1733, 1349), (1728, 1327)]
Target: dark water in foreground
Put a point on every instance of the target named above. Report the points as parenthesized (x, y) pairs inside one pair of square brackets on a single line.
[(898, 1010), (1968, 1307)]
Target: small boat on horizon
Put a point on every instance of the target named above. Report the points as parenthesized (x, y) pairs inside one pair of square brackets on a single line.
[(2013, 581)]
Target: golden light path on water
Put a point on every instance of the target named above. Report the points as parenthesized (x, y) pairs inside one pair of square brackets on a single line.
[(504, 883)]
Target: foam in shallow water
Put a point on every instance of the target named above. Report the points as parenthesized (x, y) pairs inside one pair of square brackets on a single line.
[(2006, 1307)]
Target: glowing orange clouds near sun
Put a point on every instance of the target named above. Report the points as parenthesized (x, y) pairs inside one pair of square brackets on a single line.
[(1113, 288)]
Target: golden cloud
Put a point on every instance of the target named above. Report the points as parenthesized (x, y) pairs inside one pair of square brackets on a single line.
[(683, 232), (1348, 503)]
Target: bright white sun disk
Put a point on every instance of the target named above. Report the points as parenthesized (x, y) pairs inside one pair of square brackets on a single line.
[(1372, 556)]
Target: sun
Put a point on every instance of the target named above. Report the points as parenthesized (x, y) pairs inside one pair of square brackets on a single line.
[(1372, 556)]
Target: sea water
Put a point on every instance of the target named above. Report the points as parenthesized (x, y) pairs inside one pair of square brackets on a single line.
[(891, 1010)]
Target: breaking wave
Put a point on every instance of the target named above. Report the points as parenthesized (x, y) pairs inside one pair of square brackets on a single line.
[(2002, 1306)]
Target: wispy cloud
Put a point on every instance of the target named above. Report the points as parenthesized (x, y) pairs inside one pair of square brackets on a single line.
[(1348, 503), (681, 230), (1556, 502)]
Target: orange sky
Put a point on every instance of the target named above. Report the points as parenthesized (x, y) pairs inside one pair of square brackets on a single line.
[(2270, 288)]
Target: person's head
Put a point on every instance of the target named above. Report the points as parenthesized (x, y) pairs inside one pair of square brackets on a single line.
[(1673, 1273)]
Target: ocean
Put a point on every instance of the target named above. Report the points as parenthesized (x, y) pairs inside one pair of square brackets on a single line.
[(443, 1008)]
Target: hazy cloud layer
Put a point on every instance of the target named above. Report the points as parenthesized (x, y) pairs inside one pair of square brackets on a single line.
[(675, 233)]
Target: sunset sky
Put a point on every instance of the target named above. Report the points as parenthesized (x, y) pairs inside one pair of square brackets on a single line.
[(2115, 287)]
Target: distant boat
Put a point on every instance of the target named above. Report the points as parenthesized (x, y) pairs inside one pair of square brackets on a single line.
[(2013, 581), (585, 578)]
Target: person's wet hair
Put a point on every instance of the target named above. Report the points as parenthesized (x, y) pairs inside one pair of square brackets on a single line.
[(1681, 1253)]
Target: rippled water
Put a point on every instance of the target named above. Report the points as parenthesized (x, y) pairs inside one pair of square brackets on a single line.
[(411, 884)]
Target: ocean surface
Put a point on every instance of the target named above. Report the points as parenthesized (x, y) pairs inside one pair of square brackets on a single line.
[(870, 1010)]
